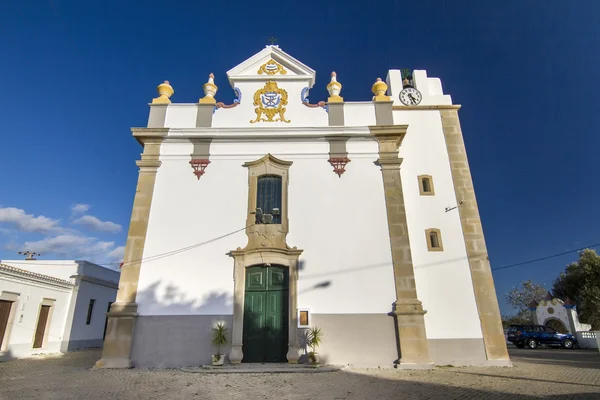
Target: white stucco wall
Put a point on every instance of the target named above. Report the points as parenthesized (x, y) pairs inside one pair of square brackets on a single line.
[(340, 223), (443, 278), (27, 309), (70, 308), (79, 331), (558, 312), (186, 211)]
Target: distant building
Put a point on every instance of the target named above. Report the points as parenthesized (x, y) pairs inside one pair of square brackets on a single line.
[(359, 218), (558, 314), (52, 306)]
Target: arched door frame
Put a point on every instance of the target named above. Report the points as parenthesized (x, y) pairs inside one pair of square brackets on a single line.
[(565, 326), (251, 257)]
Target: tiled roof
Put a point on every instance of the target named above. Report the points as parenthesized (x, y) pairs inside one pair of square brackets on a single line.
[(29, 274)]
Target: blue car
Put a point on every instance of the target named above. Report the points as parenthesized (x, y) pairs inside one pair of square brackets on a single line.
[(534, 335)]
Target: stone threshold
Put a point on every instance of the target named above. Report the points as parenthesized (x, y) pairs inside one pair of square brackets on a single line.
[(252, 368)]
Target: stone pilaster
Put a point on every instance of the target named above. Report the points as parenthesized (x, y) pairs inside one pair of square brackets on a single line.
[(481, 273), (408, 310), (118, 342), (336, 114)]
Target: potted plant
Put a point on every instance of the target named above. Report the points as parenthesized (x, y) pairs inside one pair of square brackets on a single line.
[(219, 338), (315, 337)]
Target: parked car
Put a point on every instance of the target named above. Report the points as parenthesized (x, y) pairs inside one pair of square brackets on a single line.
[(534, 335)]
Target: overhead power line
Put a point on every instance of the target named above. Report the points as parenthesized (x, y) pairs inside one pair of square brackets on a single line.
[(545, 258), (162, 255)]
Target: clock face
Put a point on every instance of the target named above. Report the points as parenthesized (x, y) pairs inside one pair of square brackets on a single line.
[(410, 96)]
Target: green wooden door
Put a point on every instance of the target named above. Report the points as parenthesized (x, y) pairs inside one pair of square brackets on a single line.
[(266, 314)]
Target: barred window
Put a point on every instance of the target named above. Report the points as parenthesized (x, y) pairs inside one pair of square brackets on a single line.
[(268, 197)]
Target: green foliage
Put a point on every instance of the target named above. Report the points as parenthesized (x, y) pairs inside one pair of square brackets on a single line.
[(315, 338), (521, 297), (581, 283), (522, 317), (219, 337)]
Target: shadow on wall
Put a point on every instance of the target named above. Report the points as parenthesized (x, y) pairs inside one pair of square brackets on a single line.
[(167, 299), (6, 356)]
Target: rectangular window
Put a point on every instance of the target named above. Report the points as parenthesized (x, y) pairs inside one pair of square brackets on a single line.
[(268, 199), (303, 318), (426, 185), (90, 309), (434, 239)]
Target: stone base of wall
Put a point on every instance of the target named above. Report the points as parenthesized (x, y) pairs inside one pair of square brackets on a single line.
[(458, 352), (81, 344), (176, 340), (360, 340), (24, 350)]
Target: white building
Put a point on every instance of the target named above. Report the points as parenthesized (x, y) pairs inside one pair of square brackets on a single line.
[(51, 306), (372, 230)]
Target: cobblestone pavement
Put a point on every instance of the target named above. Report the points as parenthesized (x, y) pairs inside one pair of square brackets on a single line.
[(547, 374)]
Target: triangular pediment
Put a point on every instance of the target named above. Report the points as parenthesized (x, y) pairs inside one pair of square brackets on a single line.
[(271, 63)]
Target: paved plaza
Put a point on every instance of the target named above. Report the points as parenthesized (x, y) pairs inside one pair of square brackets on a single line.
[(541, 373)]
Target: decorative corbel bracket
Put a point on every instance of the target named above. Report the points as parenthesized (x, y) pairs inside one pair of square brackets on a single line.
[(200, 156), (199, 165), (339, 164), (306, 101), (236, 101), (338, 155)]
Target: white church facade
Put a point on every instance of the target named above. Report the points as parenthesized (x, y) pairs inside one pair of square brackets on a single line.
[(273, 214)]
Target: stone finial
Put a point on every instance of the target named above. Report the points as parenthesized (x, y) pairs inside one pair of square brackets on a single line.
[(334, 88), (210, 89), (379, 88), (165, 91)]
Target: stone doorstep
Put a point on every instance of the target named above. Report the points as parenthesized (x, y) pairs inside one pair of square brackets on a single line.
[(264, 369)]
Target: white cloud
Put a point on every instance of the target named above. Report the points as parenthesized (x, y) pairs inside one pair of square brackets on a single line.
[(71, 246), (117, 254), (80, 208), (91, 222), (27, 222)]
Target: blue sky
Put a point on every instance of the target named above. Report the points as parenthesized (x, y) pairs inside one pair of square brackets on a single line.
[(77, 75)]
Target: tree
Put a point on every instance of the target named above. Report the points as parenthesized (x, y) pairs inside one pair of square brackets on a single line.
[(581, 283), (522, 297), (520, 318)]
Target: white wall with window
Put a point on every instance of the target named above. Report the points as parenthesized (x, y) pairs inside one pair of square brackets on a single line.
[(47, 313), (25, 294)]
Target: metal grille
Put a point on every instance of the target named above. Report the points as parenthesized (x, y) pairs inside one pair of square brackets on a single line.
[(269, 196)]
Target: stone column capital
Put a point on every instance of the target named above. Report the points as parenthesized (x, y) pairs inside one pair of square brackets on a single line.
[(389, 137), (389, 163)]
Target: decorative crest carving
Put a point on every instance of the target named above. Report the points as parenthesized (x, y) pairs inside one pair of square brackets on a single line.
[(270, 102), (272, 67)]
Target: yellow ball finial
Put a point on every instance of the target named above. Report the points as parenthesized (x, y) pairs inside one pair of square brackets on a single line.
[(165, 91), (379, 88), (334, 88), (210, 89)]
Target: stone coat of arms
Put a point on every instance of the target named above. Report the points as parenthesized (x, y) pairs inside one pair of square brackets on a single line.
[(270, 102)]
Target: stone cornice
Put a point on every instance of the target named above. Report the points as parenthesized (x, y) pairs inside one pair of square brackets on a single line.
[(251, 134), (19, 273), (97, 281), (294, 253), (149, 135)]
